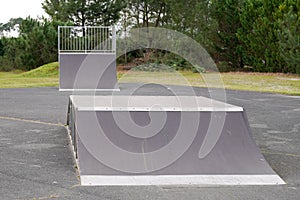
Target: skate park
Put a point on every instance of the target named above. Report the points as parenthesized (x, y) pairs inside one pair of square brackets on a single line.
[(264, 114), (37, 159)]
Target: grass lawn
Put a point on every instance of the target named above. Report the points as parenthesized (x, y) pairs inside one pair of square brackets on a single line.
[(47, 75), (44, 76), (262, 82)]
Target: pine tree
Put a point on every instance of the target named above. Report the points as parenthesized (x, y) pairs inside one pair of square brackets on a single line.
[(85, 12), (289, 35), (259, 35), (227, 14), (1, 48)]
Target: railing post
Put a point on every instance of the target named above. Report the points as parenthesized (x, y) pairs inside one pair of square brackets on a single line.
[(58, 39), (114, 43), (85, 39)]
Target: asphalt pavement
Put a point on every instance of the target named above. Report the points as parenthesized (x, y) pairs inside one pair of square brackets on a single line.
[(36, 161)]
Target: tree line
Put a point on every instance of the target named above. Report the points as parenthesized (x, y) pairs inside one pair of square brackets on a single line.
[(252, 35)]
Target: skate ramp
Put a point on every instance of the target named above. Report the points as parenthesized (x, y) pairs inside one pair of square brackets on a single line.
[(166, 140)]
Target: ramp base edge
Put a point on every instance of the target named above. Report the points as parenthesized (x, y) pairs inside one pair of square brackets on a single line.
[(204, 180)]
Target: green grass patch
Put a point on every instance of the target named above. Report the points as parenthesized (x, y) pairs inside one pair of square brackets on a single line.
[(260, 82), (48, 70), (276, 83), (44, 76), (47, 76)]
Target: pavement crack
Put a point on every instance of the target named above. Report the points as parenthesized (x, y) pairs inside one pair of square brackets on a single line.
[(278, 153), (31, 121)]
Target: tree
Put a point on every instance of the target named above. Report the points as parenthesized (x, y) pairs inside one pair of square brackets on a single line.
[(35, 46), (12, 25), (259, 35), (85, 12), (40, 38), (1, 48), (227, 14), (57, 9), (105, 12), (147, 13), (192, 18), (289, 35), (12, 50)]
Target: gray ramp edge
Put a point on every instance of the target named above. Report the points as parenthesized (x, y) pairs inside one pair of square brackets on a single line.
[(235, 160), (84, 72)]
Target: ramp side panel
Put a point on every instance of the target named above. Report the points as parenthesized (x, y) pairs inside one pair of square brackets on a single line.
[(234, 154), (87, 71)]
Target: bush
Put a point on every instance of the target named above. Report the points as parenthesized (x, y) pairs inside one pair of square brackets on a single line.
[(4, 65)]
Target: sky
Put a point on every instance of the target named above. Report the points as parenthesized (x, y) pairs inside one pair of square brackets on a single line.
[(20, 8)]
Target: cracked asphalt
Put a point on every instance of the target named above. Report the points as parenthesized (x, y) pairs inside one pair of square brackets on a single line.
[(36, 161)]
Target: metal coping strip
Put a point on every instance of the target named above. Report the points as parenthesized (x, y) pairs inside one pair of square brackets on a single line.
[(86, 26), (87, 53), (164, 109), (89, 90)]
